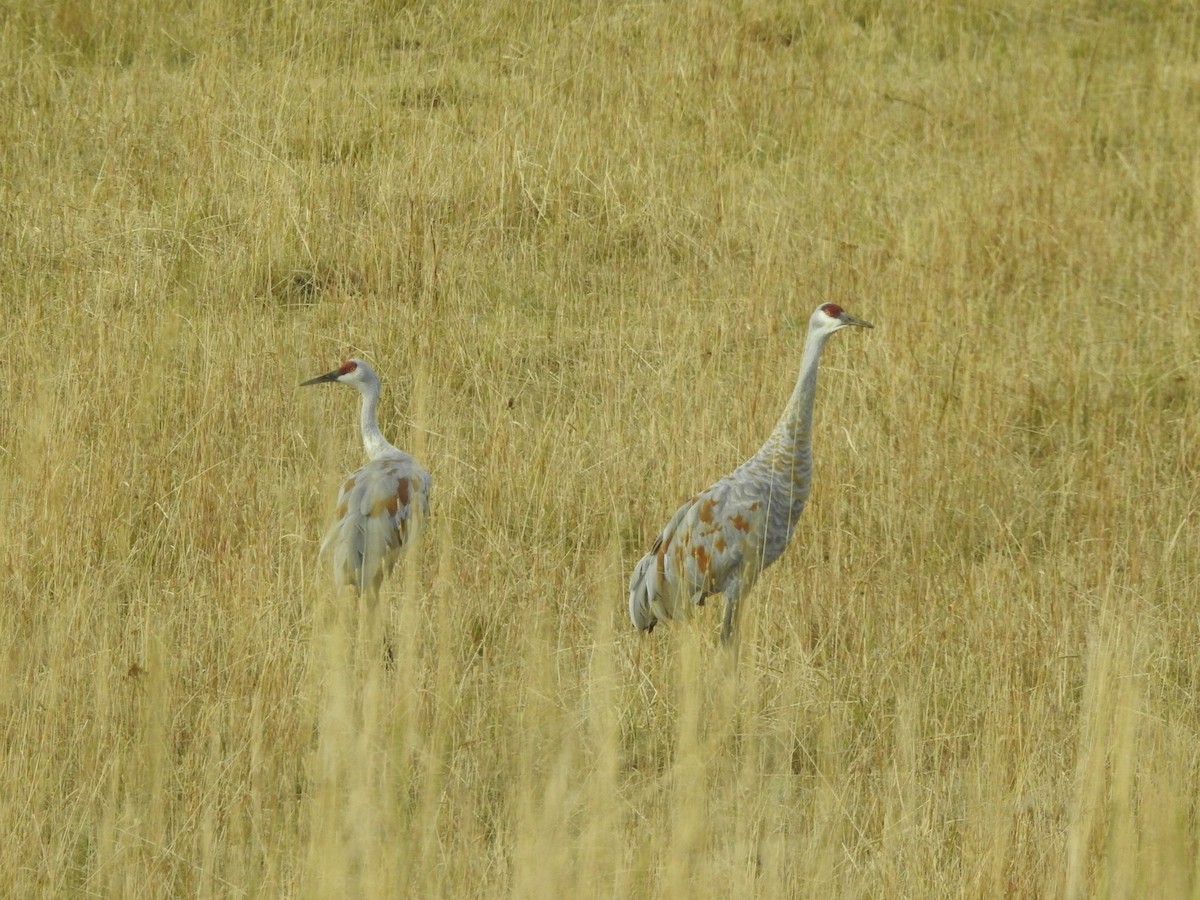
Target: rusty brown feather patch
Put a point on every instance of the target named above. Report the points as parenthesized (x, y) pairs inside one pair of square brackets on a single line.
[(740, 522), (390, 504)]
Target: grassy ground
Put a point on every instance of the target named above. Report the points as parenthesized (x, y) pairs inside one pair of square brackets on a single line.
[(580, 243)]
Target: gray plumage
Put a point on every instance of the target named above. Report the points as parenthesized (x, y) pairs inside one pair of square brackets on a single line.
[(382, 507), (719, 541)]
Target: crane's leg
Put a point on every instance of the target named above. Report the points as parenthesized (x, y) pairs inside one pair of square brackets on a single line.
[(372, 626), (733, 595), (379, 624), (727, 624)]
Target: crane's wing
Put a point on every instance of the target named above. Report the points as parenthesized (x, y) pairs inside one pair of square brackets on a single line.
[(710, 540), (380, 509)]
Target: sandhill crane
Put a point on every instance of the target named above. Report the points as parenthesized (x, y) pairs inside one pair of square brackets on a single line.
[(719, 541), (382, 507)]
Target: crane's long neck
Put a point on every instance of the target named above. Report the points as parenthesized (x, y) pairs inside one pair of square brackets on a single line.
[(789, 448), (374, 442)]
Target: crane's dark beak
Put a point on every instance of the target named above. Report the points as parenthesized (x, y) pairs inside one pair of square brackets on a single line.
[(321, 379), (854, 320)]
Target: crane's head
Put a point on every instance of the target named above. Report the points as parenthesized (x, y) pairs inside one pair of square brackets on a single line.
[(354, 372), (830, 317)]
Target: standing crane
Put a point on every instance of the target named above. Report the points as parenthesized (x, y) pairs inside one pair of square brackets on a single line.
[(382, 507), (720, 540)]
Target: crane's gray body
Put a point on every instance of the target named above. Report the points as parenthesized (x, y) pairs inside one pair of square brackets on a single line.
[(382, 507), (719, 541)]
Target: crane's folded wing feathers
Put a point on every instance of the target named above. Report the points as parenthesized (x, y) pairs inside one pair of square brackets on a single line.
[(380, 508), (695, 555)]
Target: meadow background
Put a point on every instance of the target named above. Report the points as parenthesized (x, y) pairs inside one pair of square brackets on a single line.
[(580, 242)]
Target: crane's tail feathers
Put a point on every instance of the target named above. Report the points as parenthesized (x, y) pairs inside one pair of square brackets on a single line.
[(643, 589), (364, 550)]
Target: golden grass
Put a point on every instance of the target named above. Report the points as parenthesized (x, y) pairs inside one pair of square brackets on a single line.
[(580, 244)]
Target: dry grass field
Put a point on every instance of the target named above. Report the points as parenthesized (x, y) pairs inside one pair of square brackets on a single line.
[(580, 243)]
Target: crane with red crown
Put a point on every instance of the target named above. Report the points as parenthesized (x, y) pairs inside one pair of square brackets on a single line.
[(382, 507), (720, 540)]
